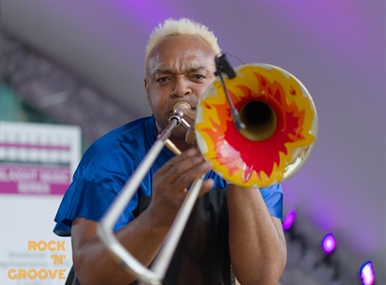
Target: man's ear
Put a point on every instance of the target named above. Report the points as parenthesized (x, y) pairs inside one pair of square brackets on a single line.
[(146, 84)]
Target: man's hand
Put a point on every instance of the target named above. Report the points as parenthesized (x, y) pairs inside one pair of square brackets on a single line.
[(171, 181)]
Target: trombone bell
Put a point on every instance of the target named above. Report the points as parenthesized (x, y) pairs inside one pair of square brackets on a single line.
[(280, 119)]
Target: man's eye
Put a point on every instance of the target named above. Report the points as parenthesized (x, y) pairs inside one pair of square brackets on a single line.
[(162, 79), (198, 76)]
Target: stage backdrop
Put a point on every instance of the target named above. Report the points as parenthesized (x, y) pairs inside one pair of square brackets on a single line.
[(36, 166)]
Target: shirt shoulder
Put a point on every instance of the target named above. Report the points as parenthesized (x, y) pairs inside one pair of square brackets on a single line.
[(118, 150)]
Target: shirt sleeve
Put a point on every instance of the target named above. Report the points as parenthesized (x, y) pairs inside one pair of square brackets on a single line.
[(99, 178), (86, 199), (273, 197)]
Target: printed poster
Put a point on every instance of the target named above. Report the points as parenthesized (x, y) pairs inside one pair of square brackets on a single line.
[(36, 166)]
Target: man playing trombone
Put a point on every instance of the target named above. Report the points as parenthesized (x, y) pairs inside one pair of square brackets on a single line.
[(231, 230)]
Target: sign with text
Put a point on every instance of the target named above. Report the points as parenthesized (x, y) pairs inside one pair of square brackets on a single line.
[(36, 166)]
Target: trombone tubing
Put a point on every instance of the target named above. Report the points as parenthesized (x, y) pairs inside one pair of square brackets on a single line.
[(120, 203)]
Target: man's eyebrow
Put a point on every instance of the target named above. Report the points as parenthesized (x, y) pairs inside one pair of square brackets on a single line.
[(167, 71), (196, 69)]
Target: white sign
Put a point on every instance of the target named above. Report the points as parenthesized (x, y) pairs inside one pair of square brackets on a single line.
[(36, 166)]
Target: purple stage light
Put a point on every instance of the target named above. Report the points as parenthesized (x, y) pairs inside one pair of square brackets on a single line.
[(367, 273), (328, 243), (289, 220)]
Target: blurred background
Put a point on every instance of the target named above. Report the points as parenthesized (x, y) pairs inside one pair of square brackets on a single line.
[(82, 63)]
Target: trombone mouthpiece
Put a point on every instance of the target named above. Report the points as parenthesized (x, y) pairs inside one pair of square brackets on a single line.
[(180, 106)]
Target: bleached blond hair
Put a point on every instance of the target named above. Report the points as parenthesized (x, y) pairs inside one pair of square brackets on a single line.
[(183, 26)]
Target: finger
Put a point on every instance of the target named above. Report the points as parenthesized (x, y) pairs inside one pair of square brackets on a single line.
[(177, 159), (185, 178), (190, 137), (181, 174), (207, 185)]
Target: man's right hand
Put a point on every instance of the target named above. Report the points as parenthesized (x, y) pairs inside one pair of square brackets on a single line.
[(170, 183)]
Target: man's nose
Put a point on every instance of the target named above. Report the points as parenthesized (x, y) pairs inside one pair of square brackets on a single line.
[(181, 87)]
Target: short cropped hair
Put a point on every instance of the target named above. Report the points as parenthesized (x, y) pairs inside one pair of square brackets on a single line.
[(183, 26)]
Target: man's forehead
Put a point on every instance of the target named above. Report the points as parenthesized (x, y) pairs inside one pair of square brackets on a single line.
[(157, 65), (187, 69)]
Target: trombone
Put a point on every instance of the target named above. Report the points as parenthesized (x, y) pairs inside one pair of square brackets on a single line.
[(238, 120), (161, 262)]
